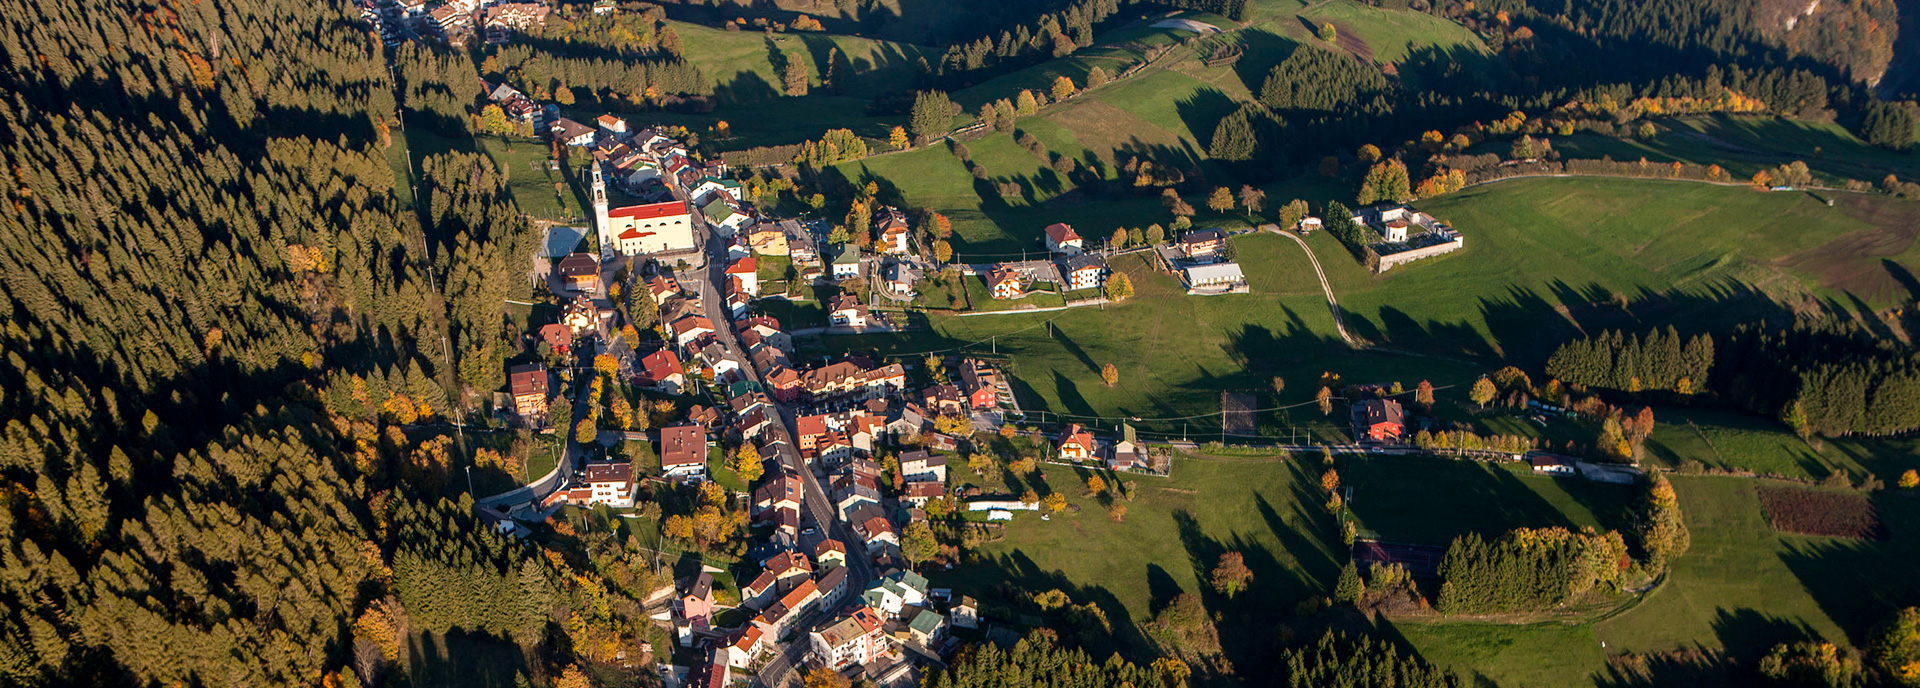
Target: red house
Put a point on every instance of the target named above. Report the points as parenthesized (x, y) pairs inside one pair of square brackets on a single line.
[(1379, 420)]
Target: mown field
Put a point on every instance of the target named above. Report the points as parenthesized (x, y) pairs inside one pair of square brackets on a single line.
[(1741, 588), (1174, 531), (1744, 144), (745, 64), (1544, 261)]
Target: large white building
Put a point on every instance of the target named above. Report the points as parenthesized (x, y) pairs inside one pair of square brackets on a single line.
[(853, 639), (641, 229)]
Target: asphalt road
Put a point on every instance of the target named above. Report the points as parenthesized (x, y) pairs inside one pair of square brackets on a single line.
[(819, 510)]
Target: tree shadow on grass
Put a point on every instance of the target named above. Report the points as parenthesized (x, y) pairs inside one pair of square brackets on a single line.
[(1849, 578), (1070, 396), (1017, 573), (462, 659)]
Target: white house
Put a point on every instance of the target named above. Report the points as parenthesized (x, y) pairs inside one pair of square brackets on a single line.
[(612, 483), (1062, 239), (1083, 271), (747, 270)]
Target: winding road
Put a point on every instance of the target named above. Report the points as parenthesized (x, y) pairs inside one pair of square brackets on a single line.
[(1333, 304)]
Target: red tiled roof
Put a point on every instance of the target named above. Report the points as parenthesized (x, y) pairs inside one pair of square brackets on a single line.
[(650, 210)]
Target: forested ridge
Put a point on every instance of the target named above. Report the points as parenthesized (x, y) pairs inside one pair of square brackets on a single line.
[(202, 240)]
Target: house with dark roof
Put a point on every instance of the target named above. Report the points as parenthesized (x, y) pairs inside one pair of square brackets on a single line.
[(571, 133), (528, 383), (1378, 420), (1083, 271), (580, 272)]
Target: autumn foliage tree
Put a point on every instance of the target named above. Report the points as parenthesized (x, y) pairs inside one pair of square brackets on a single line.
[(1230, 575)]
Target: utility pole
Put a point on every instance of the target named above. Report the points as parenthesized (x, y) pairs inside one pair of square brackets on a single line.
[(470, 481)]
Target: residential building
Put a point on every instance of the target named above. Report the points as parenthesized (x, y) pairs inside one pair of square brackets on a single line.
[(661, 371), (694, 611), (580, 272), (662, 286), (781, 615), (1378, 420), (874, 528), (611, 124), (581, 315), (651, 228), (747, 271), (725, 215), (833, 586), (943, 400), (901, 276), (1083, 271), (801, 246), (847, 378), (1126, 456), (768, 239), (743, 647), (503, 19), (980, 383), (689, 329), (528, 383), (1062, 239), (707, 189), (787, 565), (965, 613), (1076, 444), (892, 594), (892, 227), (784, 491), (683, 452), (849, 640), (846, 265), (558, 336), (571, 133), (919, 493), (1203, 244), (927, 627), (1003, 283), (846, 310), (769, 331), (611, 482), (918, 465), (829, 553)]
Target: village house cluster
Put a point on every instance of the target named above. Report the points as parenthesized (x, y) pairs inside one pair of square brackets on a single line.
[(456, 22)]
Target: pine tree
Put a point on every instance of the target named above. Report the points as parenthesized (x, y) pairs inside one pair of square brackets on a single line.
[(1233, 139), (1349, 588), (932, 115)]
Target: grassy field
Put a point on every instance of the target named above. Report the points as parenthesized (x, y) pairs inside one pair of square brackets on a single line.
[(1744, 144), (1534, 655), (743, 63), (1429, 501), (1389, 36), (1199, 348), (1743, 587), (1175, 530), (1737, 441), (1740, 589)]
